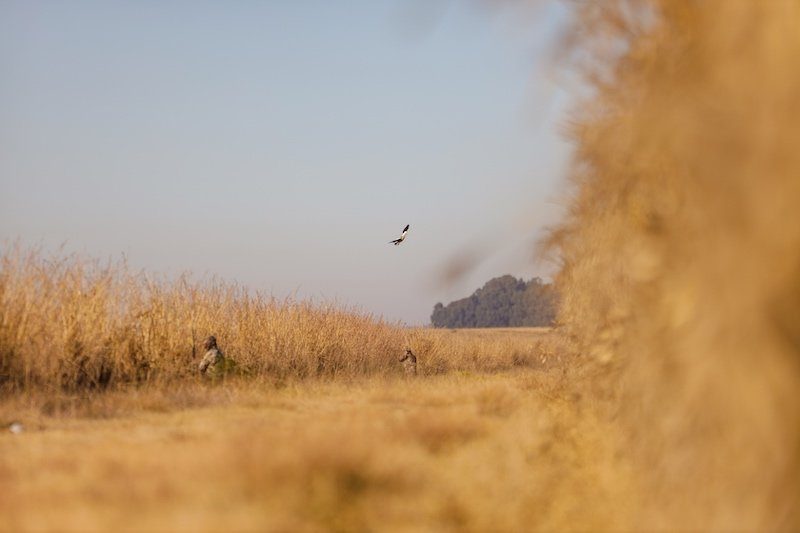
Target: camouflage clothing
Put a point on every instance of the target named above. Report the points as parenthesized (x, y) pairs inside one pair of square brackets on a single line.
[(212, 361), (409, 361)]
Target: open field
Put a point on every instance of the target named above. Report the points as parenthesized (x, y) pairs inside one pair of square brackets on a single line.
[(317, 427), (73, 324), (506, 450)]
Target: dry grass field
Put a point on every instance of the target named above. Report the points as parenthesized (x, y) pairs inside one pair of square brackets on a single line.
[(74, 325), (504, 449), (316, 428)]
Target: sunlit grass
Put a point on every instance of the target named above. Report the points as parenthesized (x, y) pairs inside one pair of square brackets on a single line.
[(72, 324), (318, 429), (463, 451), (681, 252)]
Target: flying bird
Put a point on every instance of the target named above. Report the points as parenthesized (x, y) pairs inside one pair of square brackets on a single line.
[(402, 236)]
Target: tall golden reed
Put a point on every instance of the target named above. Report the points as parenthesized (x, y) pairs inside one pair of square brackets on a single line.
[(681, 250), (74, 323), (68, 323)]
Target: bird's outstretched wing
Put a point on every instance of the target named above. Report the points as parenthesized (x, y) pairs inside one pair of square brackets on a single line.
[(402, 236)]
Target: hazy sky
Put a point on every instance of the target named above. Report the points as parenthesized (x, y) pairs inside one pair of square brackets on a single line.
[(283, 144)]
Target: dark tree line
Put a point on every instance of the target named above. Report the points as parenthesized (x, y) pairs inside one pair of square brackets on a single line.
[(502, 302)]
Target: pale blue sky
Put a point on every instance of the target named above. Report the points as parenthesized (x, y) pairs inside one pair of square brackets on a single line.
[(283, 144)]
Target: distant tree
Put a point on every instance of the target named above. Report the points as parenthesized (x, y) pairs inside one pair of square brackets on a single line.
[(501, 302), (537, 305), (496, 301)]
